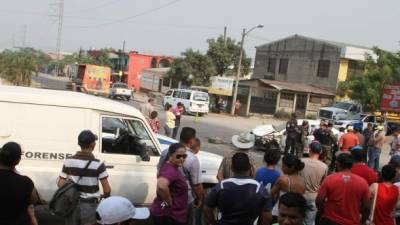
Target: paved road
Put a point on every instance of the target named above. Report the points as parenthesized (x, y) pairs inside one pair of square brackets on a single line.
[(51, 82)]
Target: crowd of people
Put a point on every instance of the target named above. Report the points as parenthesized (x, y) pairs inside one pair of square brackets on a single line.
[(335, 180)]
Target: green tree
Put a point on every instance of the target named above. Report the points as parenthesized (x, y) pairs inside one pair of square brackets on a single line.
[(225, 55), (368, 87), (193, 68), (17, 67)]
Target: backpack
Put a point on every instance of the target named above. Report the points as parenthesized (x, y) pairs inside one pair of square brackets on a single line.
[(65, 199)]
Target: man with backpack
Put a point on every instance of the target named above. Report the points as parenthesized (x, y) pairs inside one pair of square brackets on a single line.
[(86, 171)]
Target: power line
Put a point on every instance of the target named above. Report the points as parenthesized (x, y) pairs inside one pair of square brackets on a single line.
[(130, 17), (96, 7)]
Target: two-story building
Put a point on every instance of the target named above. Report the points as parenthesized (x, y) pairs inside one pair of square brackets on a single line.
[(299, 74), (306, 60)]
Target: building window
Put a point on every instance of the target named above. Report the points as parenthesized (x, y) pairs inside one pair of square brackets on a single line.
[(283, 66), (323, 68), (271, 65)]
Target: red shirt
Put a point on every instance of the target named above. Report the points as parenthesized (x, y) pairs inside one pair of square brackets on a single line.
[(344, 192), (365, 172), (386, 204), (348, 140)]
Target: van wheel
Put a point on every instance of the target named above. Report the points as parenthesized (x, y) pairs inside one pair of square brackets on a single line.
[(128, 98)]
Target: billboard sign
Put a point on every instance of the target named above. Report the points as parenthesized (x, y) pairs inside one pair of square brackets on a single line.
[(221, 86), (391, 98)]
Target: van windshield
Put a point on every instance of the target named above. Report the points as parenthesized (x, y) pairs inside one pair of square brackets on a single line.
[(200, 96), (343, 105)]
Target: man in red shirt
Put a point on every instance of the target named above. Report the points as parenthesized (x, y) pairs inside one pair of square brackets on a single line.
[(343, 196), (360, 168), (348, 140)]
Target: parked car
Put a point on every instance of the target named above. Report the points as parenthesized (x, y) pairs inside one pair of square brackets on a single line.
[(358, 121), (340, 111), (48, 135), (120, 90), (193, 101)]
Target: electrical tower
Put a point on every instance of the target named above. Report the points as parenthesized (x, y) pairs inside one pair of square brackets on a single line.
[(25, 28), (59, 32)]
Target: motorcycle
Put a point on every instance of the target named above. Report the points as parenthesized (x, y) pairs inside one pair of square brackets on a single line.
[(266, 138)]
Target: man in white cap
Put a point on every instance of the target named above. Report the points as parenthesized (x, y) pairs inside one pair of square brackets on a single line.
[(243, 143), (118, 210)]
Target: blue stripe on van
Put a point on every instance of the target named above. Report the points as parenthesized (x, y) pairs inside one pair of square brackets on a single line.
[(164, 142)]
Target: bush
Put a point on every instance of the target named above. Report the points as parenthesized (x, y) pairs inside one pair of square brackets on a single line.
[(282, 114)]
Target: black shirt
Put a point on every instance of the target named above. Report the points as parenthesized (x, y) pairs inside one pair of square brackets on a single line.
[(240, 200), (15, 194), (325, 137)]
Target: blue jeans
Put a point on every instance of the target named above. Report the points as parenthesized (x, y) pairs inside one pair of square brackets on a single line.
[(373, 157)]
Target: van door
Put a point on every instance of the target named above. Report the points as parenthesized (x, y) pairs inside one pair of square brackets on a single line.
[(176, 97), (168, 97), (123, 143), (185, 99)]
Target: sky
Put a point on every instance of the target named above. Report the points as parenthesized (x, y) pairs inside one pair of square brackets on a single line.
[(169, 27)]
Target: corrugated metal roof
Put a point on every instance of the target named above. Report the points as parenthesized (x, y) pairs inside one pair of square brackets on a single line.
[(293, 87), (334, 43)]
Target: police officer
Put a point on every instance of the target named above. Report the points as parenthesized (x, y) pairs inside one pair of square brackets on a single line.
[(327, 139), (292, 135)]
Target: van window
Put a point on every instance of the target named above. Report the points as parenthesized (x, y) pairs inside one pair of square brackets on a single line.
[(177, 94), (169, 93), (185, 95), (126, 136), (200, 96)]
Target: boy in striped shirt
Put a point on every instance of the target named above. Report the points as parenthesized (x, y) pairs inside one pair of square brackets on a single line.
[(87, 180)]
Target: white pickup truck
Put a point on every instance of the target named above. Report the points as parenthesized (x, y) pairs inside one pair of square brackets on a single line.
[(120, 90), (46, 123)]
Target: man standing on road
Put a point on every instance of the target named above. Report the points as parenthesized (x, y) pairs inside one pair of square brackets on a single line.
[(343, 196), (87, 180), (191, 168), (368, 132), (395, 146), (17, 192), (374, 153), (240, 199), (327, 139), (314, 173), (147, 108), (292, 135)]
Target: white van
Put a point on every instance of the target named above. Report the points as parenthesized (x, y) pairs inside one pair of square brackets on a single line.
[(46, 123), (193, 101)]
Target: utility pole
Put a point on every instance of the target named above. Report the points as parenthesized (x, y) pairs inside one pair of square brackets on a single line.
[(25, 28), (239, 67), (121, 71), (225, 36), (238, 73), (59, 32)]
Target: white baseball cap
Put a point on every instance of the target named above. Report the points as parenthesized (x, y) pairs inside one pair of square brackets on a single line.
[(118, 209)]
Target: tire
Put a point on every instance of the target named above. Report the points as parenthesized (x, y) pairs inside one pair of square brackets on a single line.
[(128, 99)]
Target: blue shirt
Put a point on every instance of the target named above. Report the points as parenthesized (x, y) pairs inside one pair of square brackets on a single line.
[(267, 177), (240, 200)]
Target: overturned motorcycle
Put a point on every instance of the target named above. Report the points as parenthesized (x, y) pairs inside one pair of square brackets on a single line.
[(266, 138)]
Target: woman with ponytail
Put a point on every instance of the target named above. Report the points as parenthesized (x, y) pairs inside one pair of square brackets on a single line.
[(290, 181)]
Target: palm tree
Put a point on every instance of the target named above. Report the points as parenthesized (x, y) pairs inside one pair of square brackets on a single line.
[(17, 67)]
